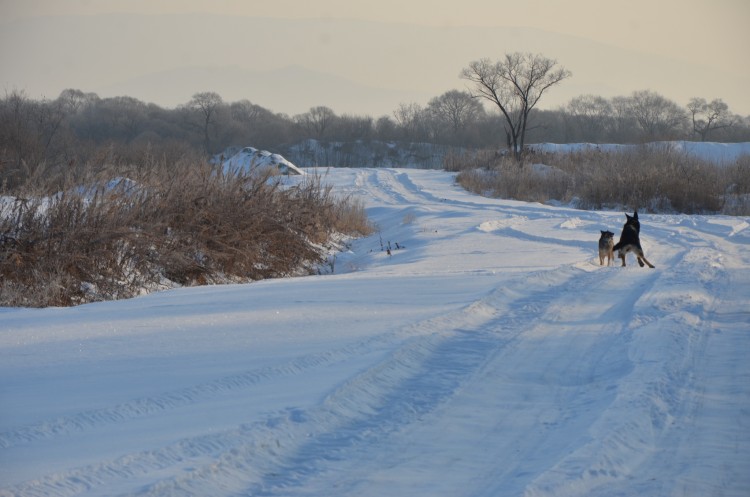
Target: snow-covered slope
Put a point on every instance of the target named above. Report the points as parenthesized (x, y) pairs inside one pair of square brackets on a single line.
[(488, 354), (250, 159)]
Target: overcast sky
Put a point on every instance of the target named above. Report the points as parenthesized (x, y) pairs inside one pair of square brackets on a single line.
[(711, 34)]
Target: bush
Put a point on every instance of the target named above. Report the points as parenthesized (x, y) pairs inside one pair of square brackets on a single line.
[(181, 223), (656, 180)]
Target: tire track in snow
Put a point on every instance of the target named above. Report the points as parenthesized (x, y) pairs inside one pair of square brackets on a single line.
[(417, 380), (469, 357), (414, 380), (653, 403), (394, 187), (146, 406)]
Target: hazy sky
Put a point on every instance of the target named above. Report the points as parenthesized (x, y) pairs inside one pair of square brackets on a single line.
[(713, 34)]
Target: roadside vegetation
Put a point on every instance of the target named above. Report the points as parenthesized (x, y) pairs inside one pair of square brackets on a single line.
[(123, 230), (647, 179)]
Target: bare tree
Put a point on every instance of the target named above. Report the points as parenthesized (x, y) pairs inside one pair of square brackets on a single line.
[(591, 116), (515, 84), (659, 118), (18, 142), (352, 128), (709, 116), (386, 129), (246, 112), (316, 121), (411, 118), (252, 124), (208, 104), (75, 100), (624, 125), (453, 112), (124, 117)]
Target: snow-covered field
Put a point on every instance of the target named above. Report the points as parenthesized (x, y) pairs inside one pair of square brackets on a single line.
[(714, 152), (488, 355)]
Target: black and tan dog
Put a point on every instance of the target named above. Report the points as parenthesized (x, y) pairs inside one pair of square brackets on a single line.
[(630, 240)]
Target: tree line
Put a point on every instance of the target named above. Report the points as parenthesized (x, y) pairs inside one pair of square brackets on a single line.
[(77, 127)]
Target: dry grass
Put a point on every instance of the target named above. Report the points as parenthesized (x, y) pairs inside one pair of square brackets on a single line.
[(649, 180), (183, 223)]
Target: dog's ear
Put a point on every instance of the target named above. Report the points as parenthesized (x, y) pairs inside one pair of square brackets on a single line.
[(602, 231), (635, 214)]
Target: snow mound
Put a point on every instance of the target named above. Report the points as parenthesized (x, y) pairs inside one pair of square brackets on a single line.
[(249, 160)]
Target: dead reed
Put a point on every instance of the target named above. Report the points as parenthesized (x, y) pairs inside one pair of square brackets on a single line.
[(652, 180), (185, 223)]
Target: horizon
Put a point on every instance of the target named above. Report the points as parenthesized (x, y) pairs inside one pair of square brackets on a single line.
[(405, 55)]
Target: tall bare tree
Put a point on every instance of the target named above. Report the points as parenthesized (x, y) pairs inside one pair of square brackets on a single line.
[(709, 116), (515, 84), (207, 103)]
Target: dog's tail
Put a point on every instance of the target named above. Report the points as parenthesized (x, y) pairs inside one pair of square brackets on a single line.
[(618, 246)]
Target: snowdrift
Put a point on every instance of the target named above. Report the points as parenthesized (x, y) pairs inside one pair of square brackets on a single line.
[(252, 160)]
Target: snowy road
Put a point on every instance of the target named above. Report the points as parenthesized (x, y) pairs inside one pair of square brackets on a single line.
[(489, 354)]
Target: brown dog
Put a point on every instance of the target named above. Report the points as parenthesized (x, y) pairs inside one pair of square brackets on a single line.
[(606, 247)]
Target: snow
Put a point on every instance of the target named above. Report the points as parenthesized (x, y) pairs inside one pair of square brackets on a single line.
[(250, 159), (489, 354), (717, 153)]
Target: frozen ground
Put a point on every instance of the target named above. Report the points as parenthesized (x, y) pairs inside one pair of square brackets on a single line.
[(488, 355)]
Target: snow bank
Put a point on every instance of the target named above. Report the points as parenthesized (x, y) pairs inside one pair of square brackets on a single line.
[(718, 153), (250, 159)]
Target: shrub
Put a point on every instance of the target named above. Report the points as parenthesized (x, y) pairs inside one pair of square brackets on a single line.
[(183, 223), (656, 180)]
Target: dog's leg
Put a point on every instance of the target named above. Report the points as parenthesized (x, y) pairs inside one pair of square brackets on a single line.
[(622, 256), (641, 258)]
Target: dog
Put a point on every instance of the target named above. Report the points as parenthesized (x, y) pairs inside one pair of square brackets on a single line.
[(630, 240), (606, 247)]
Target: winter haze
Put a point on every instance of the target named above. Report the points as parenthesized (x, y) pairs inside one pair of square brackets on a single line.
[(367, 58)]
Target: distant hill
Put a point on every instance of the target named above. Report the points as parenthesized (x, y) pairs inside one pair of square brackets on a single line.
[(291, 89), (290, 65)]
